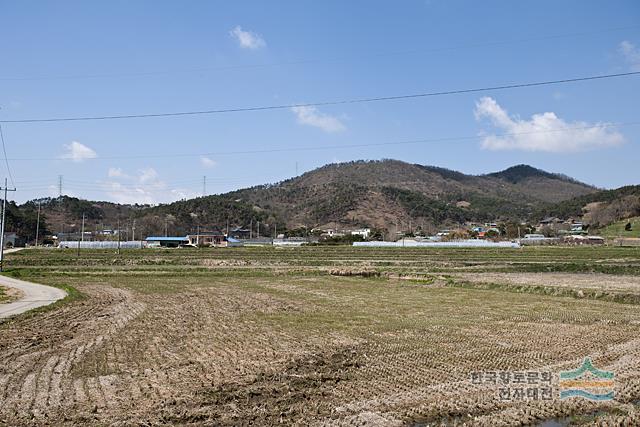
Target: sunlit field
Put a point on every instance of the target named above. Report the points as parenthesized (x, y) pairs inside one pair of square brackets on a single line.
[(324, 336)]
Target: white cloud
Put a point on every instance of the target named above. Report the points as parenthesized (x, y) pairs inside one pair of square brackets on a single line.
[(116, 173), (312, 117), (207, 162), (53, 191), (544, 132), (143, 187), (126, 194), (78, 152), (148, 175), (247, 39), (631, 54)]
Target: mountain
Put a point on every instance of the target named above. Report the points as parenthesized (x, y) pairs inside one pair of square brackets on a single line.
[(600, 208), (382, 194), (546, 186)]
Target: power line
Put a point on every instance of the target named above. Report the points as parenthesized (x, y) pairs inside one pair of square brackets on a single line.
[(320, 60), (117, 185), (142, 184), (6, 160), (326, 103), (341, 146)]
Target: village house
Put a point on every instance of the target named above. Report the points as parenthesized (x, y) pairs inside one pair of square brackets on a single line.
[(362, 232), (240, 233), (214, 238)]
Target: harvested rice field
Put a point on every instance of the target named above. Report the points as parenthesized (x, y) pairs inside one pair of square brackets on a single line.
[(323, 336)]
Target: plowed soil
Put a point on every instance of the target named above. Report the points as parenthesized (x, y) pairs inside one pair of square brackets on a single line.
[(204, 347)]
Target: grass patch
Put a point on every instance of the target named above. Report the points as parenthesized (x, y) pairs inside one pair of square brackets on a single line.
[(593, 294), (617, 228), (3, 295)]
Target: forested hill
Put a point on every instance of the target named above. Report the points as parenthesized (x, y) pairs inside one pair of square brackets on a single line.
[(378, 194), (600, 208)]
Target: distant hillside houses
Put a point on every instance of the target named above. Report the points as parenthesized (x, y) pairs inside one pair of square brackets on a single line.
[(204, 239), (553, 226)]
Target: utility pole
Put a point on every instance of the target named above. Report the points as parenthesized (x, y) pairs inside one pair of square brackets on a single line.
[(82, 230), (165, 227), (38, 223), (118, 236), (204, 186), (133, 231), (4, 218), (60, 185), (251, 229), (258, 229)]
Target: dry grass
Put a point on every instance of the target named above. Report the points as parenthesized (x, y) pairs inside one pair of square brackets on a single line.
[(9, 294), (165, 347), (599, 282)]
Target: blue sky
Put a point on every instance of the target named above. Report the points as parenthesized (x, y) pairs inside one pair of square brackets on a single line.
[(78, 58)]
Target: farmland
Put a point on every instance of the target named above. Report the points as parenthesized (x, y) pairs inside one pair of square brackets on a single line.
[(318, 335)]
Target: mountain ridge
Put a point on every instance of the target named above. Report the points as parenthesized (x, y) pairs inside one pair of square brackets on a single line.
[(382, 194)]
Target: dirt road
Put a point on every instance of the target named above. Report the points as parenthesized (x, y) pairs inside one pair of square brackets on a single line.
[(32, 296)]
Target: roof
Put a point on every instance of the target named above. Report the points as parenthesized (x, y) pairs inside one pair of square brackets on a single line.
[(550, 219), (167, 239)]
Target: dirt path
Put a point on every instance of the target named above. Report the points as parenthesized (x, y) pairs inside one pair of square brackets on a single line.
[(32, 296), (26, 296)]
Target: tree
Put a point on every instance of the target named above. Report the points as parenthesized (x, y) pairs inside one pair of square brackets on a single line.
[(23, 220), (548, 231), (492, 235), (376, 234)]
